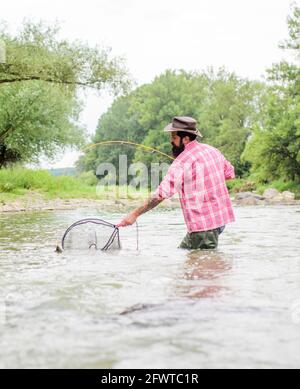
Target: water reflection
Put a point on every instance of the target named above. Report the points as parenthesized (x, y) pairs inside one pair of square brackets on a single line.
[(205, 270)]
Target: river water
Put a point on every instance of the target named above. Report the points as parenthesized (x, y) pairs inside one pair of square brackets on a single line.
[(159, 307)]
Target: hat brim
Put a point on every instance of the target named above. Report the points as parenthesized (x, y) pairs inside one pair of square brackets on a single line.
[(170, 128)]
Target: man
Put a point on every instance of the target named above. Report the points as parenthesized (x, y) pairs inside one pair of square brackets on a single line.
[(198, 175)]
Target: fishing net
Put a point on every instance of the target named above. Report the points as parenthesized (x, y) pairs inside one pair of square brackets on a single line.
[(90, 234), (97, 234)]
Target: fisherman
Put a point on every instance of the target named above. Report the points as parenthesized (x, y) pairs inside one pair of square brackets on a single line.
[(198, 174)]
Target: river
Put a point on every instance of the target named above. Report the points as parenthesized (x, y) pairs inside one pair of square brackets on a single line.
[(159, 307)]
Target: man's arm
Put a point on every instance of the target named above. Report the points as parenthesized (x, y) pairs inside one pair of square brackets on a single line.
[(228, 170), (166, 189), (151, 203)]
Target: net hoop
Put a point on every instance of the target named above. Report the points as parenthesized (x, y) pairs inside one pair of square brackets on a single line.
[(96, 221)]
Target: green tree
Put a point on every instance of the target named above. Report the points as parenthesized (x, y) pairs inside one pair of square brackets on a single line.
[(274, 148), (36, 53), (174, 93), (118, 123), (39, 103), (37, 119), (227, 117), (224, 105)]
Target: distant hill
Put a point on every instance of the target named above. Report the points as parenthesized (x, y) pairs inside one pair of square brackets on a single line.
[(67, 171)]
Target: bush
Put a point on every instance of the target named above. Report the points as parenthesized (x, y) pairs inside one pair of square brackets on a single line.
[(12, 180), (253, 184), (88, 178), (19, 180), (281, 186), (7, 187)]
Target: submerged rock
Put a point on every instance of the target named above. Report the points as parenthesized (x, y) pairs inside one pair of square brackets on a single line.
[(137, 307), (58, 249)]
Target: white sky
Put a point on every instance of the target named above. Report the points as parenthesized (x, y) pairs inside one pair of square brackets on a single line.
[(242, 35)]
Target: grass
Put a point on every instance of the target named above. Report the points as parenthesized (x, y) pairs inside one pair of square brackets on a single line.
[(17, 182), (281, 187), (248, 185)]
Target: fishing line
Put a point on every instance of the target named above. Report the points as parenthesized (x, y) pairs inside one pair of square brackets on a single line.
[(123, 142)]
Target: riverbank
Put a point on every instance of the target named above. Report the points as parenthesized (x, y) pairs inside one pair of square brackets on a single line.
[(23, 190), (34, 201)]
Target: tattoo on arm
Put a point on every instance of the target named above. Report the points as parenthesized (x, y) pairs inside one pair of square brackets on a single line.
[(149, 204)]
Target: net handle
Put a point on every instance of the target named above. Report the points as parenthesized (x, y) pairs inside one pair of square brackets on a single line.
[(111, 239)]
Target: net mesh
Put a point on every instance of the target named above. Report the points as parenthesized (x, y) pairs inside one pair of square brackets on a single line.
[(90, 234)]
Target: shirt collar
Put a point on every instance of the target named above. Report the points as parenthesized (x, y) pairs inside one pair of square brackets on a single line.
[(191, 145)]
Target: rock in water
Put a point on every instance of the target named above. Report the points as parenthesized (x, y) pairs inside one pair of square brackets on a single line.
[(243, 195), (271, 193), (137, 307), (249, 198), (58, 250), (288, 196)]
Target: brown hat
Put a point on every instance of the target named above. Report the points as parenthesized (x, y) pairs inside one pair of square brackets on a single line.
[(183, 123)]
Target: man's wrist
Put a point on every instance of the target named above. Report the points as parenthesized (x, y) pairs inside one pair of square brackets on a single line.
[(136, 213)]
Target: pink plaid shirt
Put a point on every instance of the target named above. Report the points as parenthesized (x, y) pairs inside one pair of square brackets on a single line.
[(198, 175)]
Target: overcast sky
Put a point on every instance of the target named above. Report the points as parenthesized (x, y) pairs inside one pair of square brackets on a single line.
[(156, 35)]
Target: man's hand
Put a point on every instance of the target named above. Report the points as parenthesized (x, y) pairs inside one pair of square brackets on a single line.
[(132, 216), (128, 220)]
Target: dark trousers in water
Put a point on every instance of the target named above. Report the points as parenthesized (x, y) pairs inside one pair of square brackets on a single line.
[(203, 240)]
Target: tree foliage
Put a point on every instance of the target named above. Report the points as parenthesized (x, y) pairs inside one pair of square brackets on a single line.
[(224, 105), (37, 119), (274, 148), (255, 125), (37, 53), (39, 104)]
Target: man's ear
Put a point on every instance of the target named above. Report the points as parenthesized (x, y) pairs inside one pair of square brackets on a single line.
[(186, 140)]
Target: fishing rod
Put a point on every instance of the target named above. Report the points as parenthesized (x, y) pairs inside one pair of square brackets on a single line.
[(123, 142)]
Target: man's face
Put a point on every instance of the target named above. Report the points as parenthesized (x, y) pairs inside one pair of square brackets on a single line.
[(177, 143), (175, 139)]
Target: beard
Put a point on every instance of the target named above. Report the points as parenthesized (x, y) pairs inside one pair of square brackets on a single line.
[(177, 150)]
